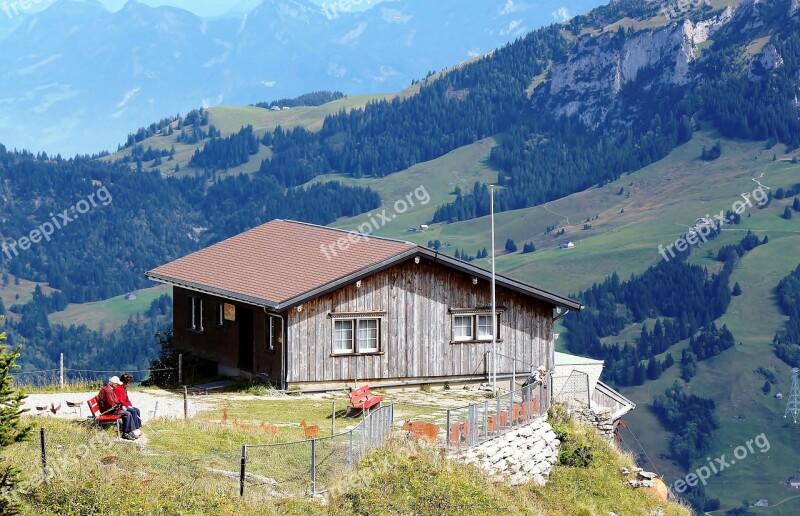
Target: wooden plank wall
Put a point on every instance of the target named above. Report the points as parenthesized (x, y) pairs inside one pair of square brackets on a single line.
[(416, 329)]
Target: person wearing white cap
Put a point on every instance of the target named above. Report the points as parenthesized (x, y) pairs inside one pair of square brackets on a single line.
[(108, 403), (538, 377), (122, 395)]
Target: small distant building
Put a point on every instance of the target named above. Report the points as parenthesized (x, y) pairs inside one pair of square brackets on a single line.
[(567, 245), (763, 502), (284, 108), (779, 395), (794, 482), (703, 221), (412, 230), (130, 296), (424, 227), (275, 108)]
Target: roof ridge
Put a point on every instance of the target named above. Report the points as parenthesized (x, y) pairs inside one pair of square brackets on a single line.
[(363, 235)]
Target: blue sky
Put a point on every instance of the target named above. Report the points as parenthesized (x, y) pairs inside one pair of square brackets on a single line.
[(216, 7), (12, 12)]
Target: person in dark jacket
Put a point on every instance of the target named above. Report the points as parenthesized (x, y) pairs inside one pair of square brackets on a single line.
[(122, 395), (108, 403), (537, 378)]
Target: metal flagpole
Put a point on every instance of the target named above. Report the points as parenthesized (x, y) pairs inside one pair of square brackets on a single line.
[(494, 301)]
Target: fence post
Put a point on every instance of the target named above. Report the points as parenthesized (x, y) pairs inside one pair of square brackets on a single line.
[(473, 423), (243, 470), (511, 410), (513, 376), (499, 420), (333, 418), (61, 370), (541, 397), (185, 403), (313, 467), (588, 394), (447, 432), (350, 450), (527, 403), (42, 441), (180, 369), (485, 419)]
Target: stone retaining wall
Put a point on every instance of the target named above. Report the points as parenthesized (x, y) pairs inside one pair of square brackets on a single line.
[(598, 418), (527, 454)]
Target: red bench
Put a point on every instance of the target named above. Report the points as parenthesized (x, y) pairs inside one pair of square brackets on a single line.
[(363, 400), (103, 419)]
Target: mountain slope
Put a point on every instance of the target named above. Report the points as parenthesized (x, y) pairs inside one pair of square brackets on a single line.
[(77, 77)]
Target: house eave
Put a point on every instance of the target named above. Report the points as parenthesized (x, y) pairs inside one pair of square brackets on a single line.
[(627, 405), (435, 256)]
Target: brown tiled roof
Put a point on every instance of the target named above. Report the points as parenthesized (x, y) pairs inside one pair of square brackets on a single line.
[(278, 261), (282, 263)]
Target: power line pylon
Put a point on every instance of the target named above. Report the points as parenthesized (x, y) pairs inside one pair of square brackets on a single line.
[(793, 405)]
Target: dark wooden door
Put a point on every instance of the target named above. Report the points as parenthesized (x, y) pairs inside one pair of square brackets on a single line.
[(246, 335)]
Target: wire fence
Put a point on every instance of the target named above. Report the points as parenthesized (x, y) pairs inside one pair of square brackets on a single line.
[(64, 377), (477, 423), (572, 389), (308, 467), (75, 377)]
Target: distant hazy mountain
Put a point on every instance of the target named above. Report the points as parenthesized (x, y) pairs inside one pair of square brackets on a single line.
[(76, 77)]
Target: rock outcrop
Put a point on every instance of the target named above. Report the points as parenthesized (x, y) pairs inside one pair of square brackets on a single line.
[(595, 72), (765, 62)]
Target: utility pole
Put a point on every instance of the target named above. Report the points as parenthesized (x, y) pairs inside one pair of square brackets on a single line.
[(494, 301)]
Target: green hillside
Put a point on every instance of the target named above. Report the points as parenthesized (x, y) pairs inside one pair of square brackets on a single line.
[(665, 198), (229, 119), (111, 313)]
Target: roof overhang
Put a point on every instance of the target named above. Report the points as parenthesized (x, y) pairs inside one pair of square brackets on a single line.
[(627, 405), (434, 256)]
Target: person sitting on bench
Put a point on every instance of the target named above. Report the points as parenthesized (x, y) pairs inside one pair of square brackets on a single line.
[(121, 392), (108, 403)]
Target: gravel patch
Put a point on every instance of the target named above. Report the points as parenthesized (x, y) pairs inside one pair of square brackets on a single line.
[(152, 403)]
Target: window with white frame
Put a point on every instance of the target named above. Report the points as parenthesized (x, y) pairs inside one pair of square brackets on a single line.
[(474, 325), (484, 327), (368, 336), (220, 314), (275, 334), (354, 334), (343, 336), (196, 313), (462, 327)]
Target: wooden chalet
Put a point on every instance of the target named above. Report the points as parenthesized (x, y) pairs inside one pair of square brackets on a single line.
[(314, 306)]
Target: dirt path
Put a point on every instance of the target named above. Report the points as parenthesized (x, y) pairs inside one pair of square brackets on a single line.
[(152, 403)]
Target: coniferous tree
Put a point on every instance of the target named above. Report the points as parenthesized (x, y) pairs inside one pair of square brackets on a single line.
[(787, 213), (511, 247), (12, 430)]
